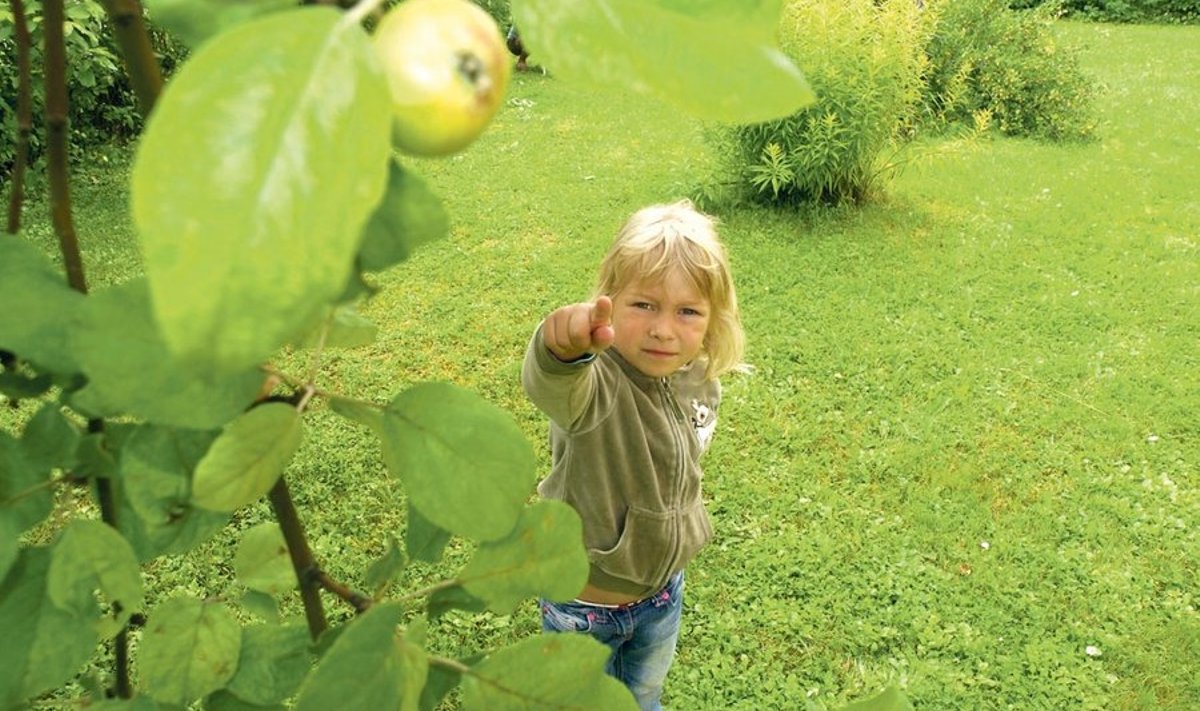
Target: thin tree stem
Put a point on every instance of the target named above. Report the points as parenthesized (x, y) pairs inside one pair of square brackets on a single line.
[(359, 601), (47, 484), (451, 664), (129, 29), (16, 198), (56, 139), (303, 561), (108, 512), (425, 592)]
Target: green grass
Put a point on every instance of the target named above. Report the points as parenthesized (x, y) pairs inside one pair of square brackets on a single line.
[(969, 450)]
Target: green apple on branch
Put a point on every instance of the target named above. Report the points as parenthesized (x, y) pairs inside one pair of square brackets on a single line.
[(447, 69)]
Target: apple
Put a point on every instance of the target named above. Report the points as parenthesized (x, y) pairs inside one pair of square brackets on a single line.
[(447, 69)]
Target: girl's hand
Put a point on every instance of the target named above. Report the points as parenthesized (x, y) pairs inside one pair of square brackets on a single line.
[(571, 332)]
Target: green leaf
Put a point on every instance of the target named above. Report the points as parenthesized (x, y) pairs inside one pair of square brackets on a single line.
[(38, 306), (423, 539), (386, 569), (194, 21), (139, 703), (717, 62), (224, 701), (261, 605), (92, 458), (415, 670), (273, 663), (89, 556), (544, 556), (262, 562), (453, 598), (44, 645), (248, 457), (467, 466), (367, 667), (343, 327), (155, 467), (438, 683), (365, 414), (890, 699), (257, 171), (188, 650), (50, 439), (409, 215), (131, 371), (24, 498), (761, 16), (554, 671), (17, 386)]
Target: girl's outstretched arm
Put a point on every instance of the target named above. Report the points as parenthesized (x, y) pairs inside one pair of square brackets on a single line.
[(574, 331)]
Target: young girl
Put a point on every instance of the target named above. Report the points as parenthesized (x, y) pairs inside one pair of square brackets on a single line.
[(629, 382)]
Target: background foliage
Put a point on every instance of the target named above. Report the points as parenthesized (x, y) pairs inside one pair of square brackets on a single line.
[(103, 107), (1008, 68), (1166, 11), (886, 72), (865, 61)]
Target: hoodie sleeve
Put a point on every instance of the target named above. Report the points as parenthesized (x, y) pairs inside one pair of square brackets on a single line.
[(571, 394)]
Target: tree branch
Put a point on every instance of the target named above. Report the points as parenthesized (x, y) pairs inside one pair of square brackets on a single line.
[(108, 512), (129, 29), (24, 116), (56, 135), (359, 601), (303, 561)]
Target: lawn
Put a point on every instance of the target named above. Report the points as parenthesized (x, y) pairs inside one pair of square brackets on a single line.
[(966, 460)]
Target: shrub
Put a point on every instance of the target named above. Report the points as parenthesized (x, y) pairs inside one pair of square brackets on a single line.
[(864, 60), (1166, 11), (102, 104), (985, 57)]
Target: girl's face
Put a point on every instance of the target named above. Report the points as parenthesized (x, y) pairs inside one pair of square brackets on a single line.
[(660, 326)]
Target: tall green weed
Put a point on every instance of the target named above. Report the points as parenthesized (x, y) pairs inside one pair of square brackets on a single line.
[(865, 60), (987, 59)]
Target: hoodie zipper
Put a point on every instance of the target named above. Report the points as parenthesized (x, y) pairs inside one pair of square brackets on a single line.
[(680, 467)]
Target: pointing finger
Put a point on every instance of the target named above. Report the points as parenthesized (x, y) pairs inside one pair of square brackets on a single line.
[(602, 312)]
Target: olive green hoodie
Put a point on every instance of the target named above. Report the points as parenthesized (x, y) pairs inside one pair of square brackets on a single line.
[(626, 452)]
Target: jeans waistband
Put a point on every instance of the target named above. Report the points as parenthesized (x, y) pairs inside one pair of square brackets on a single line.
[(664, 592)]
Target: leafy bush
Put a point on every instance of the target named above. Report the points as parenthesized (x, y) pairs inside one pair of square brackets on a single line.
[(102, 104), (1171, 11), (864, 60), (987, 58)]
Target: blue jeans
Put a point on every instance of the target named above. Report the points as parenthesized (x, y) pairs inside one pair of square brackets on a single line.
[(642, 636)]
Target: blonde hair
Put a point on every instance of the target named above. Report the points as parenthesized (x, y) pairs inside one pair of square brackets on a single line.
[(660, 239)]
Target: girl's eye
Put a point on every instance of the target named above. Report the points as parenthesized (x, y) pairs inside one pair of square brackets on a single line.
[(690, 312), (642, 305)]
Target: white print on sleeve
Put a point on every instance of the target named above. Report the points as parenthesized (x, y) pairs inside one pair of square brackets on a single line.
[(704, 420)]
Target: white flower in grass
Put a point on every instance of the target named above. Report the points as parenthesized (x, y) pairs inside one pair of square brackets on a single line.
[(1092, 651), (985, 545), (1152, 438)]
